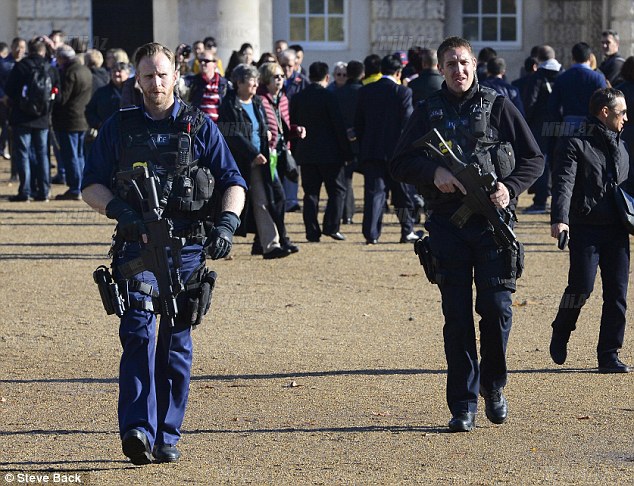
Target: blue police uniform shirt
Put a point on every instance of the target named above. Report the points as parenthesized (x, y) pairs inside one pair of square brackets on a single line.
[(209, 147)]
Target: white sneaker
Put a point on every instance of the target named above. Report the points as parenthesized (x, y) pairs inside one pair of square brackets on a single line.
[(6, 154), (413, 237)]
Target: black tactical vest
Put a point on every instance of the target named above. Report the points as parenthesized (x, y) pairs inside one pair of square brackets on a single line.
[(184, 189), (470, 128)]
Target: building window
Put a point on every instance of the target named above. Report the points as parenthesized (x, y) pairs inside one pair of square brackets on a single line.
[(494, 23), (318, 23)]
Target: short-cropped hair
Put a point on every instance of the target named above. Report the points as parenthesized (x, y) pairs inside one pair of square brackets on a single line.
[(151, 49), (317, 71), (354, 70), (496, 66), (611, 32), (604, 97), (452, 43), (581, 52), (545, 53), (390, 65), (243, 72), (65, 52)]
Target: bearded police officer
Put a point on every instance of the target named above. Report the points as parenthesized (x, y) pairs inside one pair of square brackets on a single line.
[(491, 132), (183, 152)]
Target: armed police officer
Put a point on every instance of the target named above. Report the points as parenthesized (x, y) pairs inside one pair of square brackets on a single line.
[(157, 169), (463, 247)]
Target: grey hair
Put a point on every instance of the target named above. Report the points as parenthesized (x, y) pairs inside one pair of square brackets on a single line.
[(243, 72), (286, 55), (339, 65), (65, 52)]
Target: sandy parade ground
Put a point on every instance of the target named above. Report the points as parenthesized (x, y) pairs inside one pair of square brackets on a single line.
[(326, 367)]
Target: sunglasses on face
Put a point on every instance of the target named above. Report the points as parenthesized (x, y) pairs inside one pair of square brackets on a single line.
[(205, 61), (279, 76)]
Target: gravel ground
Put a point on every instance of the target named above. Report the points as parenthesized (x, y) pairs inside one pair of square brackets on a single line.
[(325, 367)]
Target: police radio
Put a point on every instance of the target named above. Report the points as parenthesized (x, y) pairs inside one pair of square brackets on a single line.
[(184, 147), (477, 121)]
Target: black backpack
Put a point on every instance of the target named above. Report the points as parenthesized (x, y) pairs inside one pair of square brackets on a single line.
[(36, 92)]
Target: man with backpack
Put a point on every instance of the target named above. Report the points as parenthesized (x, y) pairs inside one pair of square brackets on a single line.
[(30, 89)]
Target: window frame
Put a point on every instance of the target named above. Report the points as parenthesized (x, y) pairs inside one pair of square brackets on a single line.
[(479, 44), (321, 45)]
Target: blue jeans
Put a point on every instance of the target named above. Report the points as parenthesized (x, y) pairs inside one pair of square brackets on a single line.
[(71, 146), (26, 141)]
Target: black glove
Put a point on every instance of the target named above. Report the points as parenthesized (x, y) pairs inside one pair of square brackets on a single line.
[(220, 240), (130, 224)]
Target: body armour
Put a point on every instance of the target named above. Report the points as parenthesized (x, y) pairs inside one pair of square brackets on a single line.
[(184, 188), (469, 127)]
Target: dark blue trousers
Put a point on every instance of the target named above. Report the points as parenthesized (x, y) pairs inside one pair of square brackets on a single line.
[(154, 374), (377, 180), (465, 255), (606, 247)]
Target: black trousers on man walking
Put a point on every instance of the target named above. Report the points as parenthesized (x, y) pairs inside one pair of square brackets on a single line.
[(333, 177)]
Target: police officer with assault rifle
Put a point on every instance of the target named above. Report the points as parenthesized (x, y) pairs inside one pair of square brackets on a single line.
[(164, 172), (470, 153)]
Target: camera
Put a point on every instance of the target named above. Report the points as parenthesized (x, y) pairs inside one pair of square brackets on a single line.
[(187, 50)]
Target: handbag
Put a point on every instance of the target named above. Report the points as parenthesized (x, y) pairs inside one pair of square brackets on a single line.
[(625, 207), (288, 165)]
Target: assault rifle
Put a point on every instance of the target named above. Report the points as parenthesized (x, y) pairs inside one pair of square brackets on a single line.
[(160, 246), (479, 187)]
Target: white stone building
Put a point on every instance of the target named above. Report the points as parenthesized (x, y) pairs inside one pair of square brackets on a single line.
[(329, 30)]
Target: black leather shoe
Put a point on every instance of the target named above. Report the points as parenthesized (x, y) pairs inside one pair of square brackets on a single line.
[(464, 422), (256, 249), (313, 239), (166, 453), (558, 343), (68, 196), (136, 446), (19, 198), (346, 221), (614, 367), (292, 247), (337, 236), (371, 242), (496, 407), (277, 253)]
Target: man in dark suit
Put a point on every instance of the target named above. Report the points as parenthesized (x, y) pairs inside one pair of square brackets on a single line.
[(383, 108), (429, 79), (347, 96), (322, 153)]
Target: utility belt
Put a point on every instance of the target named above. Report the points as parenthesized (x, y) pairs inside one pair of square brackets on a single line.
[(116, 298), (507, 266)]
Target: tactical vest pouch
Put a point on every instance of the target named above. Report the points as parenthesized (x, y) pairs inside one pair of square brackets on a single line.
[(519, 260), (198, 290), (111, 298), (503, 159), (422, 248), (190, 193)]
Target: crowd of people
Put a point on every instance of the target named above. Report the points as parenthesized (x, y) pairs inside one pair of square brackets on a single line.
[(87, 88), (554, 130)]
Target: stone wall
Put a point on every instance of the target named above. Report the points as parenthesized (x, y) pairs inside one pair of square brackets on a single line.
[(570, 21), (396, 25), (37, 17)]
